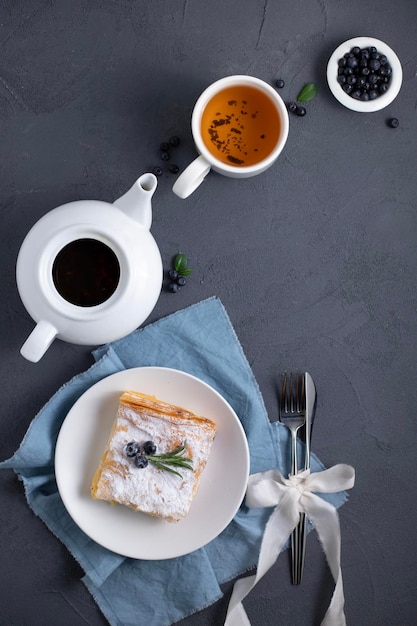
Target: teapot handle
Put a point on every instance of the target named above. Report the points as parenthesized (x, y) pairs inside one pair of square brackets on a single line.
[(38, 341)]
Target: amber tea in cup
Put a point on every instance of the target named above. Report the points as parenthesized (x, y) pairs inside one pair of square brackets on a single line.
[(240, 125)]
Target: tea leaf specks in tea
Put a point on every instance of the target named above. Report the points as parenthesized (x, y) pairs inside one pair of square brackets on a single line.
[(240, 125)]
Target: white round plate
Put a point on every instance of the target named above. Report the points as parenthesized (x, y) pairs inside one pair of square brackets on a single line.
[(82, 440), (371, 105)]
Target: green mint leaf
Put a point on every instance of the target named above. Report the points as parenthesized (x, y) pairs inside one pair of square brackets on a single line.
[(180, 263), (307, 93)]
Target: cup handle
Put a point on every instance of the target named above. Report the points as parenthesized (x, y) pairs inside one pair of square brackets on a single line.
[(191, 177), (38, 341)]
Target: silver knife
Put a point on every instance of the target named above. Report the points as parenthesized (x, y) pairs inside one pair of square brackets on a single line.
[(311, 398)]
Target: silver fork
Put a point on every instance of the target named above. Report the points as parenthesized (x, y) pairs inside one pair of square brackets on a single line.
[(292, 413)]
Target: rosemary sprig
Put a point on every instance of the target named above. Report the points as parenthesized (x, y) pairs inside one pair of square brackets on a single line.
[(168, 460)]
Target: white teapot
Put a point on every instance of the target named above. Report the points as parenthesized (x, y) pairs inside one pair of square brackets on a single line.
[(90, 272)]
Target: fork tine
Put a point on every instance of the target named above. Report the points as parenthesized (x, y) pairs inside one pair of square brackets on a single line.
[(292, 393), (297, 393), (283, 404)]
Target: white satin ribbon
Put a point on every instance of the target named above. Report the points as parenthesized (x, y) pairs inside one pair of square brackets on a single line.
[(291, 496)]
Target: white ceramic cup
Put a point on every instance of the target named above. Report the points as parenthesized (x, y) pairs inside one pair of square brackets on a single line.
[(196, 172)]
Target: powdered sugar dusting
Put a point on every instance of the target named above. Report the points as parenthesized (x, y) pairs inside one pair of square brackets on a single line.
[(153, 490)]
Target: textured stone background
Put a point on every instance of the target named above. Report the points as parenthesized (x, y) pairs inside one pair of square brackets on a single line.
[(314, 260)]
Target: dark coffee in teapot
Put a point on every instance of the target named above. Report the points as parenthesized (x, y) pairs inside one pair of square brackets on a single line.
[(86, 272)]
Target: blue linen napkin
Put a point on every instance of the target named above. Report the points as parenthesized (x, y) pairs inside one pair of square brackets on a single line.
[(199, 340)]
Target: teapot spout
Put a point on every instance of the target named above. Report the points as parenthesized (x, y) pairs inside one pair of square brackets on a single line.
[(136, 203)]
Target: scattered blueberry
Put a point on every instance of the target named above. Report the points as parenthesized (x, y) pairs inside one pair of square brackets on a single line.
[(132, 448), (149, 447), (280, 83), (292, 107), (173, 287), (181, 280), (301, 111), (173, 274), (165, 155), (174, 141), (364, 73), (393, 122), (140, 461)]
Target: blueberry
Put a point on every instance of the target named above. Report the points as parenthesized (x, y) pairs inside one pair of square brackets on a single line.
[(173, 287), (141, 461), (164, 146), (301, 111), (372, 95), (174, 169), (181, 280), (364, 96), (173, 274), (383, 88), (352, 62), (149, 447), (292, 107), (393, 122), (174, 141), (157, 171), (132, 448), (165, 155), (280, 83), (356, 50), (347, 88), (374, 65)]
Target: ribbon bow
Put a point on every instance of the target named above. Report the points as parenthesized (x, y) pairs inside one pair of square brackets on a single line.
[(291, 496)]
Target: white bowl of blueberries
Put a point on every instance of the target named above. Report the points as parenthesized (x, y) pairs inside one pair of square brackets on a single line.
[(364, 74)]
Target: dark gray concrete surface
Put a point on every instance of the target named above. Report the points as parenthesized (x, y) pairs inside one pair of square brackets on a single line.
[(315, 260)]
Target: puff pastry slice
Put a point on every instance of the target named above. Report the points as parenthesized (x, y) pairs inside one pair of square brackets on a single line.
[(153, 490)]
